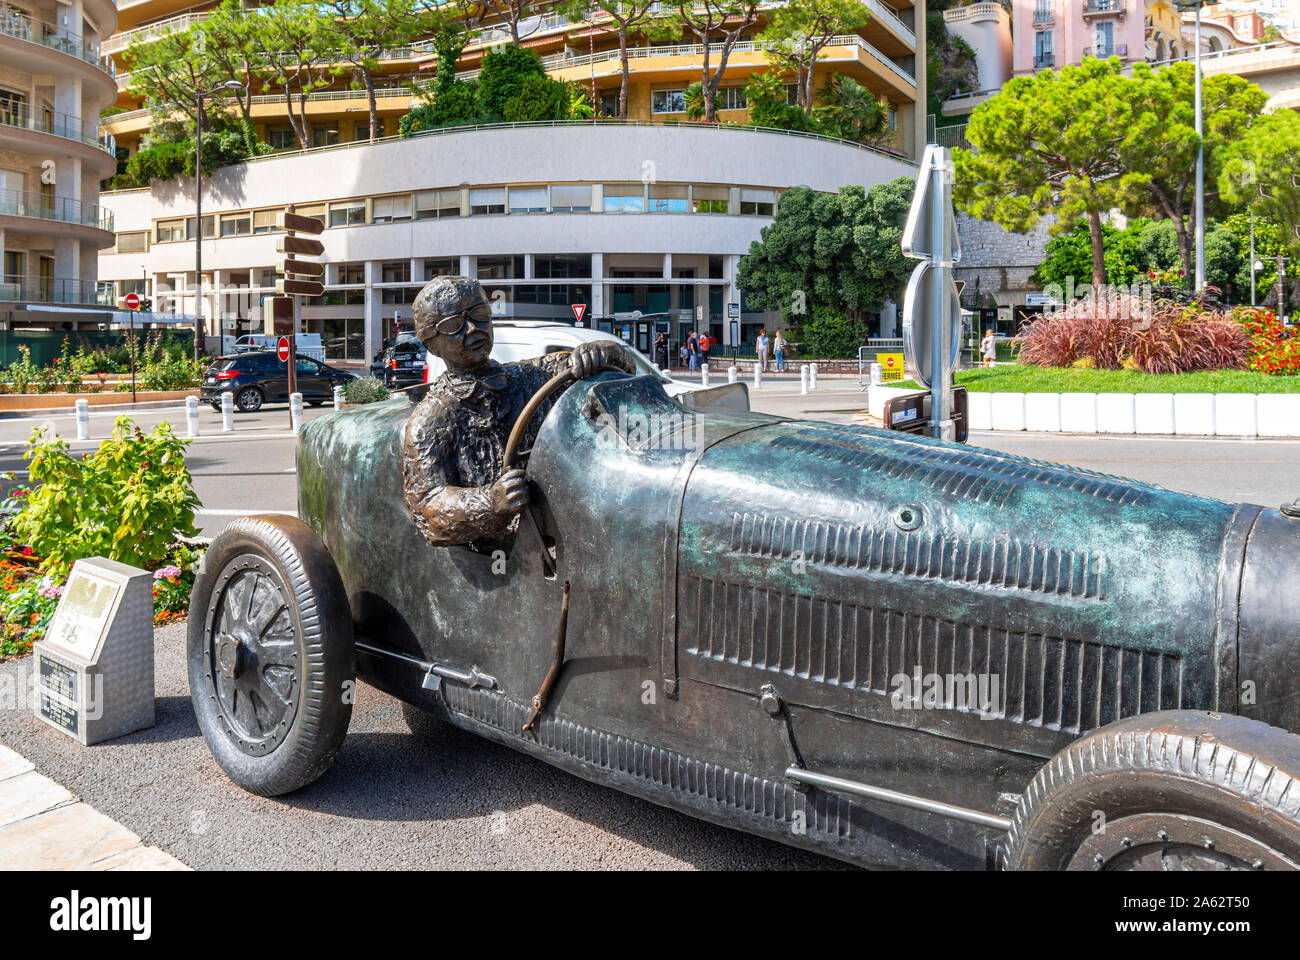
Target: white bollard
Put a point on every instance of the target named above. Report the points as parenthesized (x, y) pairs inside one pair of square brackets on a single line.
[(877, 374), (803, 378), (338, 397), (704, 374), (758, 375), (812, 376), (227, 411), (192, 416), (295, 411), (83, 419), (732, 375)]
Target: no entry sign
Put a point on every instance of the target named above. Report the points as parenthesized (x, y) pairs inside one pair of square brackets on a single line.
[(132, 301), (282, 349)]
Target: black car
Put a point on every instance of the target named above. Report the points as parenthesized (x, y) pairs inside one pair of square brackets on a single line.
[(259, 377), (401, 364)]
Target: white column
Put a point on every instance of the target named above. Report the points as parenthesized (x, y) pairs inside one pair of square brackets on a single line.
[(597, 285), (374, 309), (467, 265), (530, 266), (730, 267)]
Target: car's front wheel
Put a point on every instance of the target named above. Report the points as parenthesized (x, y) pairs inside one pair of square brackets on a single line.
[(249, 400), (270, 654), (1177, 790)]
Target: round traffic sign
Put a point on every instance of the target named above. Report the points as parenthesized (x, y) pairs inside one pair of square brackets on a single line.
[(132, 301), (918, 326), (282, 349)]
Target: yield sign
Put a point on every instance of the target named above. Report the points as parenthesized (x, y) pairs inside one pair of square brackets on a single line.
[(579, 311)]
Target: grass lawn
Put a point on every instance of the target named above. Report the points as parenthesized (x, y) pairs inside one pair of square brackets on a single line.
[(1017, 378)]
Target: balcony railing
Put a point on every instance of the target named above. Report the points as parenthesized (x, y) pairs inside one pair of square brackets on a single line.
[(14, 289), (1044, 15), (1097, 7), (121, 41), (1103, 52), (15, 203), (1044, 60), (59, 124), (15, 24)]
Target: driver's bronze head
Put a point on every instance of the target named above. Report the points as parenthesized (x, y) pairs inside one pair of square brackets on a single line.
[(454, 320)]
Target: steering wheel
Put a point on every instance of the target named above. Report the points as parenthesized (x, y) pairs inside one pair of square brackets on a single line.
[(564, 378)]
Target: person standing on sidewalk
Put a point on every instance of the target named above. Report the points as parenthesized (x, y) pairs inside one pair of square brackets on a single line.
[(778, 348), (661, 350), (693, 346), (989, 349), (760, 347)]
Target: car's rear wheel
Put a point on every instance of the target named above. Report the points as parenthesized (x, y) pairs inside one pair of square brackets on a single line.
[(249, 400), (215, 406), (270, 654), (1178, 790)]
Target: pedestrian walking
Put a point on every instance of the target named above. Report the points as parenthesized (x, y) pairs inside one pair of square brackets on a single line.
[(706, 344), (693, 348), (778, 349), (989, 349), (760, 346)]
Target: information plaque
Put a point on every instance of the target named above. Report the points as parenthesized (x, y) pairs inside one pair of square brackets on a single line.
[(94, 669)]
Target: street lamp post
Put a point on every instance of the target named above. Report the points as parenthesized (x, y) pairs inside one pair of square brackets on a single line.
[(230, 86), (1199, 202)]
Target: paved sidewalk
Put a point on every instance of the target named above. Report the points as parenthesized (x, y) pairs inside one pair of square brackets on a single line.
[(44, 827)]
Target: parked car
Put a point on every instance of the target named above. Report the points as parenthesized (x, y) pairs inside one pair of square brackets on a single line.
[(887, 648), (401, 364), (258, 377)]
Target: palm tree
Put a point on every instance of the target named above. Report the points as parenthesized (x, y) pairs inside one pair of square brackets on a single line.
[(850, 111), (694, 99)]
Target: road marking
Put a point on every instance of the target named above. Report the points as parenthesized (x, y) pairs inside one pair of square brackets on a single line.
[(234, 512)]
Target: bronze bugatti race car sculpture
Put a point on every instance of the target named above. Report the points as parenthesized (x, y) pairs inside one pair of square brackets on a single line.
[(886, 648)]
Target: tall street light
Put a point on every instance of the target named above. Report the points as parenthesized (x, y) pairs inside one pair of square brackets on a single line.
[(230, 86), (1199, 206)]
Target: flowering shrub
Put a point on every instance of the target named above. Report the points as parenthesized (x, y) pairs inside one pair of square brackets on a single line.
[(1124, 333), (1274, 349)]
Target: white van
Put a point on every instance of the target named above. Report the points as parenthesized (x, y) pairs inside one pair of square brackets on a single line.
[(524, 339)]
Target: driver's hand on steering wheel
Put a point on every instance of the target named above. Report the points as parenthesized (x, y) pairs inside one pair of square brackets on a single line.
[(588, 358), (509, 494)]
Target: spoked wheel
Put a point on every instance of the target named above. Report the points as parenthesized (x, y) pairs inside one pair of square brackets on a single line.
[(249, 400), (1178, 790), (270, 653)]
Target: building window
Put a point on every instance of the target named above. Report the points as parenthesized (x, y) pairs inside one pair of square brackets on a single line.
[(560, 266), (264, 221), (624, 198), (500, 268), (398, 272), (13, 108), (710, 199), (314, 210), (668, 198), (757, 203), (668, 101), (1105, 39), (732, 98), (1043, 48), (349, 213), (391, 209), (282, 138), (350, 274), (892, 121), (133, 242), (170, 231), (487, 200), (436, 204), (324, 136), (139, 286), (571, 198), (609, 104), (441, 267), (237, 225), (527, 199)]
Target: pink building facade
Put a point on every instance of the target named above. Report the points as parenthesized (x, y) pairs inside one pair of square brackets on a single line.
[(1054, 33)]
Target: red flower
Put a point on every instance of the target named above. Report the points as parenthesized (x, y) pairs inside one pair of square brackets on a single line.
[(28, 552)]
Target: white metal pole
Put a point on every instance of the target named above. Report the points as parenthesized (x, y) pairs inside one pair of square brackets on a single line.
[(812, 376), (295, 411), (338, 397), (758, 375), (227, 411), (1200, 167), (732, 375), (192, 416), (938, 294), (704, 374), (803, 378)]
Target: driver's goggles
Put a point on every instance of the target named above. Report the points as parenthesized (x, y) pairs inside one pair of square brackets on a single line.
[(452, 324)]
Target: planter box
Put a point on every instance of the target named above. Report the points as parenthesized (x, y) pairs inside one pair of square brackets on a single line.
[(1008, 411), (61, 401), (1078, 413), (1234, 415), (1153, 413), (1115, 413), (1043, 412), (979, 407), (1194, 414), (1278, 414)]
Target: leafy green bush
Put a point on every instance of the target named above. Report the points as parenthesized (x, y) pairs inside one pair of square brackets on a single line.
[(364, 390), (829, 333), (128, 501)]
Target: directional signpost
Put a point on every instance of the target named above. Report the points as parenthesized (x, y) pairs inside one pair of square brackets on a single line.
[(299, 278), (932, 306)]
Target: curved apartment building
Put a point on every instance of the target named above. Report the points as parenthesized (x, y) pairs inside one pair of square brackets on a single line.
[(643, 224), (881, 55), (54, 81)]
